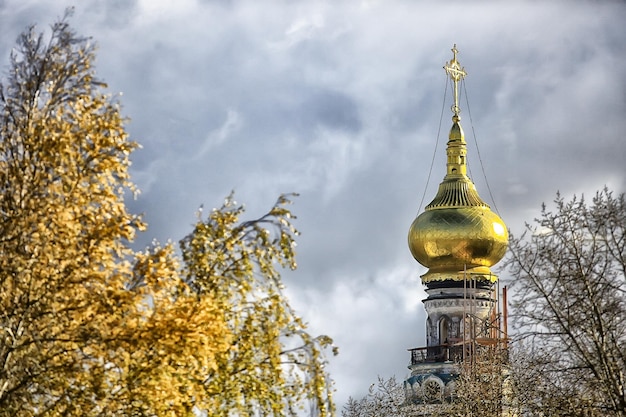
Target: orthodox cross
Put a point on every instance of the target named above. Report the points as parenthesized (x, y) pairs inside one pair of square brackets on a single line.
[(456, 73)]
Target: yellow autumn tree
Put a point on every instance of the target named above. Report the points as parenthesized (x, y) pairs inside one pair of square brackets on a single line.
[(63, 224), (89, 327), (273, 363)]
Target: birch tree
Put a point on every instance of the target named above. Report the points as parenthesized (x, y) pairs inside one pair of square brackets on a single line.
[(64, 158), (90, 327)]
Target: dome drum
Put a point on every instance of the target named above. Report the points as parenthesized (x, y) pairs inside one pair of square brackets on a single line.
[(477, 274)]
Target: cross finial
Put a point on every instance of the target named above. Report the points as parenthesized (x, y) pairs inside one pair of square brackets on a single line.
[(454, 52), (456, 73)]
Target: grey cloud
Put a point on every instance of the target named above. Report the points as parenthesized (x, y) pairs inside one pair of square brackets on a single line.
[(114, 13), (332, 109)]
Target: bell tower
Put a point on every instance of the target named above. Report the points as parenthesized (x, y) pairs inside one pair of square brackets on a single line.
[(458, 238)]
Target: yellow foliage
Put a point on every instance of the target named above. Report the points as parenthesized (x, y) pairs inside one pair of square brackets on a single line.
[(89, 327), (273, 364)]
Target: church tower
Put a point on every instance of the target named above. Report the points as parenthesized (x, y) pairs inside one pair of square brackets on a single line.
[(458, 238)]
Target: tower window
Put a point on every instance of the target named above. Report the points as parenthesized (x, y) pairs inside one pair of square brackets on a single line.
[(443, 330)]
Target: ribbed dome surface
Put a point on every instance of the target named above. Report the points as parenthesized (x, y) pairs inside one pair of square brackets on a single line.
[(457, 193)]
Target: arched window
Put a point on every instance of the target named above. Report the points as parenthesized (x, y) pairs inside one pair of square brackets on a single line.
[(444, 325)]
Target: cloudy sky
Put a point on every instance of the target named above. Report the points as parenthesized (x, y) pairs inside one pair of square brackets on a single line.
[(341, 102)]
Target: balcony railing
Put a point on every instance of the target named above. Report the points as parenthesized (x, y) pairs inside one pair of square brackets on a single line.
[(440, 353), (453, 351)]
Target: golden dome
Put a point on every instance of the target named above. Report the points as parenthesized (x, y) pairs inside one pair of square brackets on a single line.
[(457, 235)]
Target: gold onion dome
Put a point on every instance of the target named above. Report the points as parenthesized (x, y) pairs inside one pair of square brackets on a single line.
[(457, 236)]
